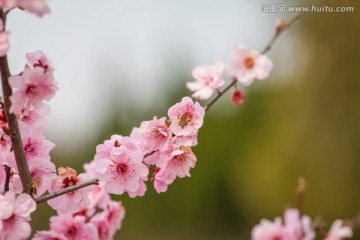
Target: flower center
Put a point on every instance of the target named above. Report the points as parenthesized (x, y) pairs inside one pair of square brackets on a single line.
[(184, 120), (69, 181), (72, 231), (156, 133), (122, 168), (249, 62)]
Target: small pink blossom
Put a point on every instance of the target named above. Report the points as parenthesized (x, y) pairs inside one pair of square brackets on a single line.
[(186, 117), (113, 215), (39, 59), (338, 231), (33, 87), (15, 215), (122, 171), (152, 135), (208, 79), (73, 228), (296, 226), (176, 164), (238, 97), (268, 230), (247, 65), (72, 201), (115, 142), (42, 173)]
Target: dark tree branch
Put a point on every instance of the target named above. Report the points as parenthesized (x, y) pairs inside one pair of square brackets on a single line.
[(49, 196), (17, 145)]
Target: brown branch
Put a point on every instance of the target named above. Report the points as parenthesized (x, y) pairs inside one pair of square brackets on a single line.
[(49, 196), (17, 145), (219, 94), (7, 178), (278, 32)]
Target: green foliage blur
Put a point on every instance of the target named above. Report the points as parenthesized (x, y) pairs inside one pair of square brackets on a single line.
[(249, 158)]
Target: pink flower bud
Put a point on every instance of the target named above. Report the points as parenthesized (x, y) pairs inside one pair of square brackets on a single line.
[(237, 97)]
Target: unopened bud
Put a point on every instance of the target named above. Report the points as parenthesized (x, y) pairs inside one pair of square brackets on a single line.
[(237, 97), (280, 25)]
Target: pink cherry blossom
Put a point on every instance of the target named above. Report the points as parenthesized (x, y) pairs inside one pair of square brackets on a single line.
[(33, 87), (268, 230), (73, 228), (176, 164), (296, 226), (122, 171), (35, 145), (338, 231), (15, 215), (36, 119), (238, 97), (4, 40), (116, 141), (247, 65), (152, 135), (186, 117), (208, 79), (113, 215), (72, 201), (39, 59), (42, 173)]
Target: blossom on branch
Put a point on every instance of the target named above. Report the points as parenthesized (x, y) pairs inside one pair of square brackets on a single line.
[(34, 85), (15, 215), (338, 231), (208, 79), (186, 117), (247, 65), (73, 201), (294, 227)]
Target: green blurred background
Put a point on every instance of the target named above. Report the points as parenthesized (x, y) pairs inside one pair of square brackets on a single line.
[(302, 121)]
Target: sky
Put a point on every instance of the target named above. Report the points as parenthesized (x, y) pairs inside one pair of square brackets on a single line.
[(129, 47)]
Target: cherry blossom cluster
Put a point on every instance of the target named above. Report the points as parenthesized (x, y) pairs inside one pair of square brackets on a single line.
[(87, 213), (245, 66), (161, 145), (296, 226), (34, 85)]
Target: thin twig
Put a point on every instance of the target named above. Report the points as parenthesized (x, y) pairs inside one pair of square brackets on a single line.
[(278, 33), (17, 145), (49, 196), (7, 178), (97, 210), (267, 48), (219, 94)]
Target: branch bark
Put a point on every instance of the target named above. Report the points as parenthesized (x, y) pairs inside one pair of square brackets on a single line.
[(17, 145), (49, 196)]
